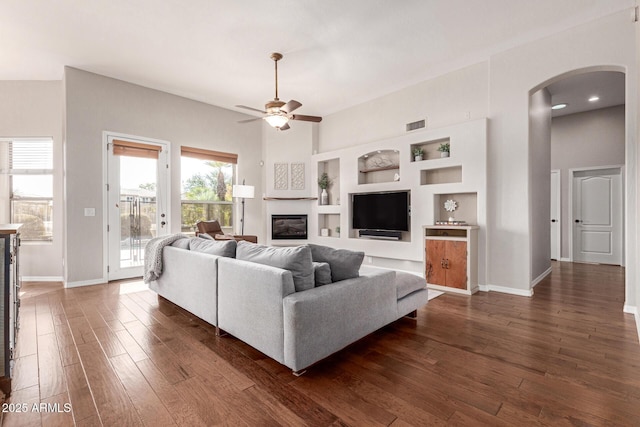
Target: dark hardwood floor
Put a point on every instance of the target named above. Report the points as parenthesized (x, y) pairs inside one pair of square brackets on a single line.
[(120, 357)]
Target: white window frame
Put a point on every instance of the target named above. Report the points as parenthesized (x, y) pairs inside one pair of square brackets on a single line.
[(10, 172)]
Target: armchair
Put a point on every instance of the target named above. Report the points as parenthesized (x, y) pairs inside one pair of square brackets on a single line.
[(214, 230)]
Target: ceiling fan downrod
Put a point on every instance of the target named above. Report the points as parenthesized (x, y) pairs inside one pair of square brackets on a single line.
[(276, 57)]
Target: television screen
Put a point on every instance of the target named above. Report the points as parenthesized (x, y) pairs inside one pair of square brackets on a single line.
[(381, 211)]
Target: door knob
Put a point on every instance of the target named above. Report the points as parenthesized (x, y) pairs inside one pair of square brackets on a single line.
[(553, 220), (162, 224), (577, 221)]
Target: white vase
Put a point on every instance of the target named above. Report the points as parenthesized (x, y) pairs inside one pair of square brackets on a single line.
[(418, 158), (324, 197), (444, 154)]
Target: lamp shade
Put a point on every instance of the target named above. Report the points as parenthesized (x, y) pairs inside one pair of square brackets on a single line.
[(243, 191), (277, 120)]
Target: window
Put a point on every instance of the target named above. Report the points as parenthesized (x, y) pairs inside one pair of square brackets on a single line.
[(206, 183), (26, 166)]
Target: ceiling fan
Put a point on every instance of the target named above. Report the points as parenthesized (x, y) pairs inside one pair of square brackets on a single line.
[(278, 113)]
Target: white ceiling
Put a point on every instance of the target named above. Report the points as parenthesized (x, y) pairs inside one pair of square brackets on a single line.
[(575, 91), (336, 53)]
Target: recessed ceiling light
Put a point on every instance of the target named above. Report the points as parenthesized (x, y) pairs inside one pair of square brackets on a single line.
[(559, 106), (594, 98)]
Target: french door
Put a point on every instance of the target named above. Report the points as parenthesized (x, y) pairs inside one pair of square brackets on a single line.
[(137, 201)]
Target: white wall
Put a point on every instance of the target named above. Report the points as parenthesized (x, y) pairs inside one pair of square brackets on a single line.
[(540, 182), (95, 104), (33, 109), (291, 146), (593, 138), (500, 91), (449, 99), (608, 41)]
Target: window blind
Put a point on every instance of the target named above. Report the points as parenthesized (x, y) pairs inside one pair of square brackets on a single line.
[(26, 156), (203, 154), (135, 149)]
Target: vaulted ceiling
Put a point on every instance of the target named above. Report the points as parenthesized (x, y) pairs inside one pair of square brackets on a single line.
[(336, 53)]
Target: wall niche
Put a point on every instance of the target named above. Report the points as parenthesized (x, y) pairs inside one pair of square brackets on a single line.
[(379, 166)]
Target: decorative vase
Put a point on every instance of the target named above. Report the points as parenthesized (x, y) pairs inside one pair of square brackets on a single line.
[(324, 197), (444, 154), (418, 158)]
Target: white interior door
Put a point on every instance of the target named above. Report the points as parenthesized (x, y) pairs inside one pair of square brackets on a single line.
[(597, 216), (555, 215), (137, 202)]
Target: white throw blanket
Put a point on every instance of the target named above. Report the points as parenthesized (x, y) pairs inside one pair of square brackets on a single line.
[(153, 255)]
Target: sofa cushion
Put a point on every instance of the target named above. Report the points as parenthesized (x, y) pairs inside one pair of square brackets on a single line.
[(345, 264), (407, 283), (181, 243), (295, 259), (226, 248), (205, 236), (322, 273)]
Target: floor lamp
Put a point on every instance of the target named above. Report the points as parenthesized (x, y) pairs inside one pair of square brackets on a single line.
[(243, 192)]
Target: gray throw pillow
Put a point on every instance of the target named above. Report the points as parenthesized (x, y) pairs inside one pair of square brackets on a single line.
[(205, 236), (181, 243), (345, 264), (295, 259), (322, 273), (226, 248)]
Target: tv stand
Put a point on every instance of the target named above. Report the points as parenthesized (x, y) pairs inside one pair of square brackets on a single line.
[(380, 234)]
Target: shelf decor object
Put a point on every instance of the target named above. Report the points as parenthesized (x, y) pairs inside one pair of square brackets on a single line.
[(281, 176), (297, 176), (243, 192)]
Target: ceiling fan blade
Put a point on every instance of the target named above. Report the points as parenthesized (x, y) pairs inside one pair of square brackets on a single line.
[(251, 108), (306, 118), (249, 120), (285, 127), (290, 106)]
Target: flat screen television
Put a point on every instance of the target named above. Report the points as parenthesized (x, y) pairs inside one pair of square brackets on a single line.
[(381, 211)]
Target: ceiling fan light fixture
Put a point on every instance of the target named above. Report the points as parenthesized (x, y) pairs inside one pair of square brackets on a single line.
[(277, 120)]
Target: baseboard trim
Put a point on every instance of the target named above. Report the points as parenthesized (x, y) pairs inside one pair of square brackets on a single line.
[(505, 290), (565, 259), (42, 278), (632, 309), (85, 283), (541, 277)]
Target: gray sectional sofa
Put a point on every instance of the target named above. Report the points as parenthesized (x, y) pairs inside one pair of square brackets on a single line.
[(266, 298)]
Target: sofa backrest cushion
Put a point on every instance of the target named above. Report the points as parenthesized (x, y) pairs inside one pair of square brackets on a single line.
[(322, 273), (345, 264), (181, 243), (295, 259), (225, 248)]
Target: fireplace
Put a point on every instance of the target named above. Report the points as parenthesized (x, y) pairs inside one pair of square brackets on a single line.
[(290, 227)]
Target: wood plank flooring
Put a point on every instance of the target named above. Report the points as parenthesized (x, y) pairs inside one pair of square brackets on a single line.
[(119, 356)]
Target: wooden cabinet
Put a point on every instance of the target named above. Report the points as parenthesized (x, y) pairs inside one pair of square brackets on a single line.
[(9, 300), (451, 258)]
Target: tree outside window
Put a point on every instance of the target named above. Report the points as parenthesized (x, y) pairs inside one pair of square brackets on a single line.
[(206, 190)]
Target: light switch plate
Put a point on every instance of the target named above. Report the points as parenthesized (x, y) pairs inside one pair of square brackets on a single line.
[(89, 211)]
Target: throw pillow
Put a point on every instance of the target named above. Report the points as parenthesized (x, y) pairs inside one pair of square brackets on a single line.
[(181, 243), (322, 273), (345, 264), (295, 259), (225, 248), (205, 236)]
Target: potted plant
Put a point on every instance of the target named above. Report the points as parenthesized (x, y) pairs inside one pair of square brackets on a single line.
[(338, 231), (444, 149), (417, 154), (324, 182)]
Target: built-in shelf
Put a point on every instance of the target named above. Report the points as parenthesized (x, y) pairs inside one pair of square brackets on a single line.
[(378, 166), (429, 148), (289, 198), (386, 168), (447, 175)]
